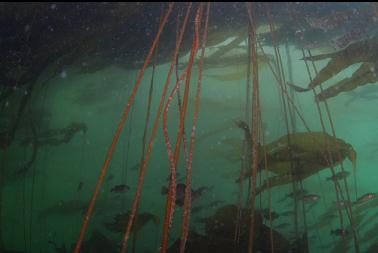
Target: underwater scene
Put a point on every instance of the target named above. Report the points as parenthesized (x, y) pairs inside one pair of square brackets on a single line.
[(188, 127)]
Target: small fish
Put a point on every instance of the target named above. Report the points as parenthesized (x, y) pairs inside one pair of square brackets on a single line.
[(266, 214), (177, 176), (339, 232), (298, 194), (180, 190), (120, 188), (180, 193), (63, 208), (366, 197), (338, 176), (80, 186), (120, 221), (310, 198)]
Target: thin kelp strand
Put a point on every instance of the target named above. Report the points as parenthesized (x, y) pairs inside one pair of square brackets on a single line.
[(117, 135), (348, 207), (143, 168), (188, 198), (172, 192)]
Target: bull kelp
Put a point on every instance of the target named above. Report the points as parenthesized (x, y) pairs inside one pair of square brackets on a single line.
[(188, 127)]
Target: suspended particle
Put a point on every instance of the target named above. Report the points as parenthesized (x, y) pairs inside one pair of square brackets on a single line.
[(27, 28), (63, 74)]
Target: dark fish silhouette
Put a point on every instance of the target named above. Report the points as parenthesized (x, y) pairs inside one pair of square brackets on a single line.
[(366, 197), (120, 221), (180, 193), (339, 232), (63, 208), (178, 176), (298, 194), (120, 188), (311, 198)]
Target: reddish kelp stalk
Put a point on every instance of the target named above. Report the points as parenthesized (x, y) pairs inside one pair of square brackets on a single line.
[(143, 168), (255, 124), (117, 135), (173, 159), (188, 192)]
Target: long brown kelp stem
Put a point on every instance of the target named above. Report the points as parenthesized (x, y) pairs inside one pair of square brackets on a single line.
[(329, 157), (117, 135), (246, 150), (286, 108), (188, 192), (143, 168), (185, 141), (255, 124), (349, 209), (173, 158)]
